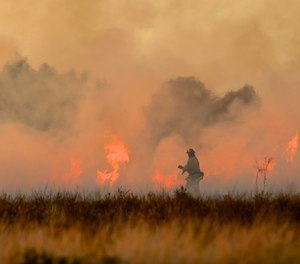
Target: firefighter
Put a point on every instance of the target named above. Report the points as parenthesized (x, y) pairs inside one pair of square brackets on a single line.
[(195, 174)]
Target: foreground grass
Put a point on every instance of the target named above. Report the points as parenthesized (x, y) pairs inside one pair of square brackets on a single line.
[(154, 228)]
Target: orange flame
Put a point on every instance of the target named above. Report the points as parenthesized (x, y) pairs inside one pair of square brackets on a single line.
[(167, 181), (292, 148), (272, 166), (117, 154), (73, 176)]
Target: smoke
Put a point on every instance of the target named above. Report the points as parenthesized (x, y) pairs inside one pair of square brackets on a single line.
[(54, 128), (54, 122), (41, 99), (184, 106), (46, 119)]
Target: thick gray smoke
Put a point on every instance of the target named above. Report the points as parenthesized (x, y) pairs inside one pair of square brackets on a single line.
[(184, 106), (41, 99)]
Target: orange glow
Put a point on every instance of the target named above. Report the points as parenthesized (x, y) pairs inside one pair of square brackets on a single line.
[(265, 169), (167, 181), (292, 148), (272, 166), (117, 154), (266, 166), (73, 176)]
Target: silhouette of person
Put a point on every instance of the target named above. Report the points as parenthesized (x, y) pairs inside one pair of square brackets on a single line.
[(195, 174)]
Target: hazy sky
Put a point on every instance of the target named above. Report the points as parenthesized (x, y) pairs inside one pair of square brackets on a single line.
[(122, 53)]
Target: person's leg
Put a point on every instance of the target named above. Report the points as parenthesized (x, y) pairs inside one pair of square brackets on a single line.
[(188, 186), (196, 190)]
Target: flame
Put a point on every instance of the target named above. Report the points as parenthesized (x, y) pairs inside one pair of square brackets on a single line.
[(73, 176), (167, 181), (270, 167), (117, 154), (292, 148)]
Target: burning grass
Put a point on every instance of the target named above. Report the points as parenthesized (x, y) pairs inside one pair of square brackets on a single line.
[(153, 228)]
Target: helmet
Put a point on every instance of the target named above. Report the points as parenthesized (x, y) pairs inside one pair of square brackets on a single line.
[(191, 151)]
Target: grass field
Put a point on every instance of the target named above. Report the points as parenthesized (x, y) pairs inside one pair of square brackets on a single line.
[(66, 227)]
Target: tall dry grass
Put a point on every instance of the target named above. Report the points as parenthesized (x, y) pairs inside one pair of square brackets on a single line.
[(153, 228)]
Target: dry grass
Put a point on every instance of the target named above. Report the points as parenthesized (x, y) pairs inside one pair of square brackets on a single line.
[(154, 228)]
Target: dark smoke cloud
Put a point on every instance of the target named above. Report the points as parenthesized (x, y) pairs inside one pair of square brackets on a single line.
[(184, 106), (41, 99)]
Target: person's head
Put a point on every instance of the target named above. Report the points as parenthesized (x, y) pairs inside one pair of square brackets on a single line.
[(191, 152)]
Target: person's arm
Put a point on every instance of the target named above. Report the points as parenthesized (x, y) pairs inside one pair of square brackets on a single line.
[(183, 168), (187, 166)]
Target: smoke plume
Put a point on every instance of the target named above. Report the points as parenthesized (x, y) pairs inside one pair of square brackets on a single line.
[(55, 122), (41, 99), (184, 106)]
